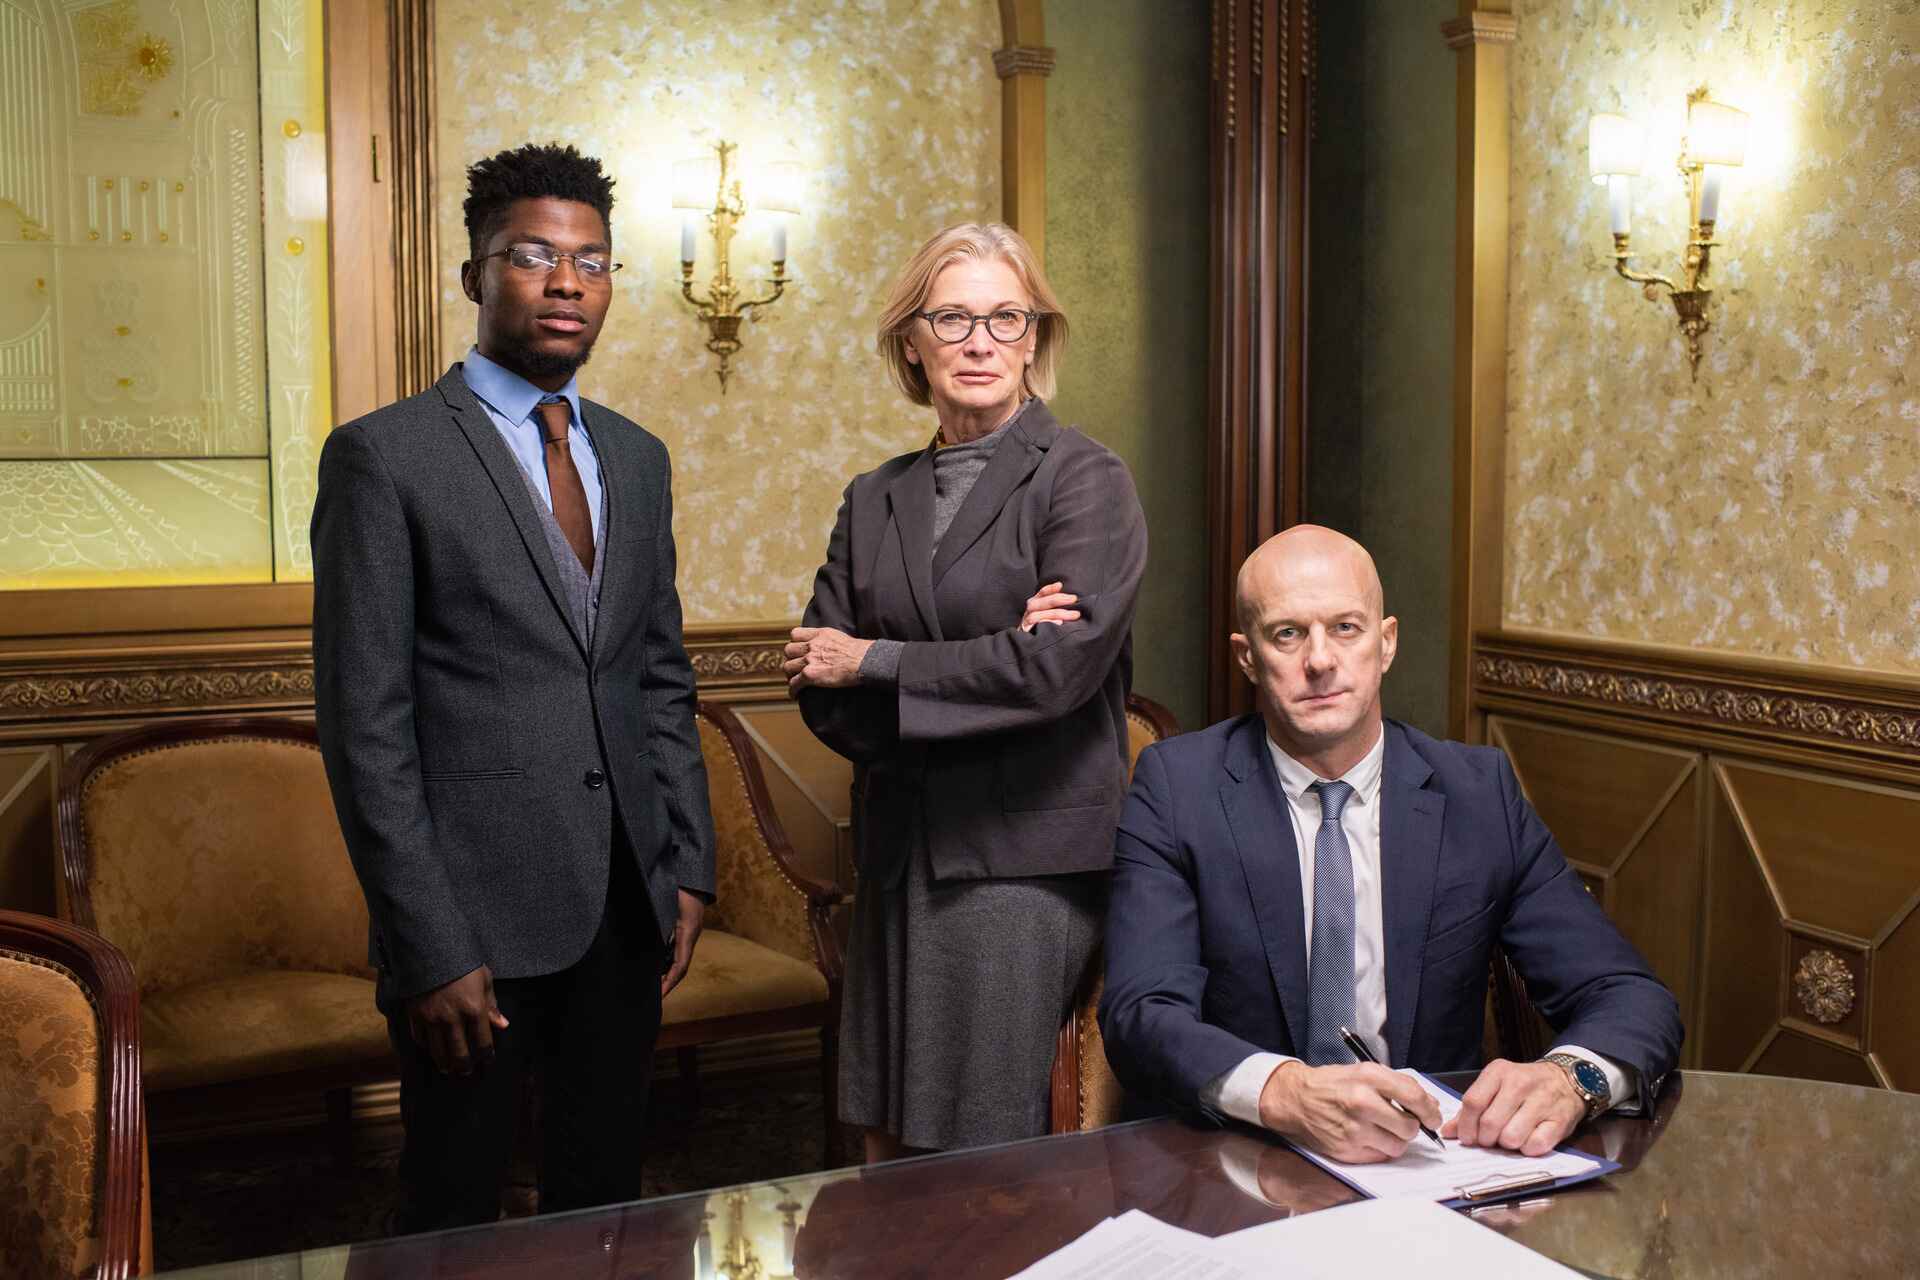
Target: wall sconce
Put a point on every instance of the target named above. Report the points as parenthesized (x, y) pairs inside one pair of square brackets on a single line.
[(722, 309), (1716, 138)]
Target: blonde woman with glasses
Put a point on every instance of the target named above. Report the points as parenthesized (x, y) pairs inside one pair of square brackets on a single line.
[(969, 648)]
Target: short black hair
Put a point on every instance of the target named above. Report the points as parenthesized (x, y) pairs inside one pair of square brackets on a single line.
[(528, 173)]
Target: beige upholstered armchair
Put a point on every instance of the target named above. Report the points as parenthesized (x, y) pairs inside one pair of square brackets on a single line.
[(208, 851), (768, 960), (73, 1198)]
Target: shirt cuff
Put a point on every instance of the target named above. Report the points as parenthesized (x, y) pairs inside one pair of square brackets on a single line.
[(1237, 1092), (881, 666), (1622, 1085)]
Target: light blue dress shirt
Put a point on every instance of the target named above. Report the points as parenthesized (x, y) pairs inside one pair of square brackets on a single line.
[(509, 400)]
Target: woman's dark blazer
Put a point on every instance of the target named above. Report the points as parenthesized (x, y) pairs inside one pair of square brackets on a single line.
[(1007, 748)]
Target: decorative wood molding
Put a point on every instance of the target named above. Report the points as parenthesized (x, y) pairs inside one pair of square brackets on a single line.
[(1023, 60), (1744, 698), (1023, 119), (736, 656), (84, 687), (81, 686), (1482, 26)]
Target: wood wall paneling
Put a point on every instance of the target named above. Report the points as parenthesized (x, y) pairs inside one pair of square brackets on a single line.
[(1750, 827), (29, 782), (1260, 128), (1813, 875), (1628, 816)]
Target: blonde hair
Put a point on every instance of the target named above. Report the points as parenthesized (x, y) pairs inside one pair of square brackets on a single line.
[(982, 241)]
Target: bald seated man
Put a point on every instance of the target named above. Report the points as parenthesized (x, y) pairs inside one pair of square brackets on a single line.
[(1315, 866)]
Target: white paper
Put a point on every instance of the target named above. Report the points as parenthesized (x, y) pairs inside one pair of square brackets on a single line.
[(1424, 1172), (1385, 1238), (1138, 1246)]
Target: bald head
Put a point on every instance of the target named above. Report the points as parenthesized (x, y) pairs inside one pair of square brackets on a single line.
[(1304, 549), (1314, 643)]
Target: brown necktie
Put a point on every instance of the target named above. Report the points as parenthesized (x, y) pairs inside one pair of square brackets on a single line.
[(563, 481)]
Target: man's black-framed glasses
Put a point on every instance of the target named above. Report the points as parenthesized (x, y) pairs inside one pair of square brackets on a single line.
[(952, 325), (538, 257)]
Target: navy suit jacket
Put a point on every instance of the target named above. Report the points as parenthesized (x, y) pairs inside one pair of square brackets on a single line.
[(1206, 945)]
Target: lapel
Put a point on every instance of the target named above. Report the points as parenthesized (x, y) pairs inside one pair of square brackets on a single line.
[(1014, 459), (1411, 821), (619, 490), (1256, 810), (511, 484), (911, 498)]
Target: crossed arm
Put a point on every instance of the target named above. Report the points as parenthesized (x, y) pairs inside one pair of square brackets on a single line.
[(1090, 558)]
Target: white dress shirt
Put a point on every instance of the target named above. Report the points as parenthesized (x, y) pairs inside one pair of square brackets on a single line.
[(1237, 1092)]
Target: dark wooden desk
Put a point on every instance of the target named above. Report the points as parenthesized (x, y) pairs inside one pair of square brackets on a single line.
[(1735, 1176)]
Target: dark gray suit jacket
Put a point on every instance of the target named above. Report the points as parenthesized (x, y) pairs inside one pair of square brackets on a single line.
[(476, 742), (1007, 748)]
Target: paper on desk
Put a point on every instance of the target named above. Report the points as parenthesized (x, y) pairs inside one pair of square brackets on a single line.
[(1385, 1238), (1424, 1172), (1138, 1246)]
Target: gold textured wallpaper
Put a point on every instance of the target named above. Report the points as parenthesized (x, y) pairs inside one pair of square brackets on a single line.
[(1773, 507), (163, 350), (892, 109)]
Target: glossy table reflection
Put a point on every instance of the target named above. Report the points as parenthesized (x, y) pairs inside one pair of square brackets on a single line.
[(1735, 1176)]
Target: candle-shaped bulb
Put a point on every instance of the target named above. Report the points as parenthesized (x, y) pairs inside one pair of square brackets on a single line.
[(1710, 194), (1620, 203), (780, 240), (686, 239)]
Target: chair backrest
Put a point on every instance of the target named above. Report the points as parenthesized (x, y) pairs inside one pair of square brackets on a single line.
[(1147, 723), (1514, 1029), (71, 1117), (1086, 1093), (761, 894), (206, 847)]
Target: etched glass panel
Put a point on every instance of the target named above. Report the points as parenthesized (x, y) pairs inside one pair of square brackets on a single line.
[(162, 292)]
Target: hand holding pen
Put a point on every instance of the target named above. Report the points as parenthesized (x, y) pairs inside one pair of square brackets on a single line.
[(1361, 1054)]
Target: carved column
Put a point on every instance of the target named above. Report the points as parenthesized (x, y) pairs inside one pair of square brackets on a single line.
[(1261, 128), (1023, 66), (1481, 36), (416, 267)]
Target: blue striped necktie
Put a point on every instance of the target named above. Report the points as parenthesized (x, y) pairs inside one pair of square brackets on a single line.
[(1330, 970)]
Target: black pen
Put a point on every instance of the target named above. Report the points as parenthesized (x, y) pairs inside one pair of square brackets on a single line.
[(1359, 1051)]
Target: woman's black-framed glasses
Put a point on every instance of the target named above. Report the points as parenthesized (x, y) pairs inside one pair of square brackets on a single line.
[(591, 267), (952, 325)]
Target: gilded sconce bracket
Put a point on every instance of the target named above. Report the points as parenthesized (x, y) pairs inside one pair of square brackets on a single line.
[(723, 309), (1690, 293)]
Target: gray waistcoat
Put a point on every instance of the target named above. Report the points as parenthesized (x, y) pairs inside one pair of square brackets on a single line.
[(583, 593)]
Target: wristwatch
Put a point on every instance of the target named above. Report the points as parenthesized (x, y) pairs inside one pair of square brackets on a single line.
[(1588, 1080)]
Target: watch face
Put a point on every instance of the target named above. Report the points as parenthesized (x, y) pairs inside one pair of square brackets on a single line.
[(1591, 1078)]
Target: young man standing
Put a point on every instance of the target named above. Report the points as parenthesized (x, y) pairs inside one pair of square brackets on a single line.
[(506, 710)]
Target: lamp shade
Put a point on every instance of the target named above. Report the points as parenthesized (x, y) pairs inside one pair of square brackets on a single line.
[(696, 183), (779, 187), (1716, 133), (1614, 144)]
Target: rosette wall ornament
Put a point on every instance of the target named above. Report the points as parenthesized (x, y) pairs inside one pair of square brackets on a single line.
[(776, 191), (1716, 139)]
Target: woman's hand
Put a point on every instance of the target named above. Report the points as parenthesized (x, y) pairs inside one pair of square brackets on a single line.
[(1049, 605), (823, 658)]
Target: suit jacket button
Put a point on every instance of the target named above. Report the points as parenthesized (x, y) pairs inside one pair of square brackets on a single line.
[(595, 779)]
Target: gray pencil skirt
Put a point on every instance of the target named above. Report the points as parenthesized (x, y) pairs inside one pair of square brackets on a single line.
[(955, 992)]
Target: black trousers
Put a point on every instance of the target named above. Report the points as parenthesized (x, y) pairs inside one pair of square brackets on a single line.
[(586, 1036)]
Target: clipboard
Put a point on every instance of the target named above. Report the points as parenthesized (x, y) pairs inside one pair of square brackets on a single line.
[(1574, 1168)]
